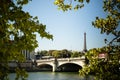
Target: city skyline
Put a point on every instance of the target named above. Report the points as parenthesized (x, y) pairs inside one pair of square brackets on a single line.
[(68, 27)]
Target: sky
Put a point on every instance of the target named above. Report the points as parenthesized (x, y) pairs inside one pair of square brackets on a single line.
[(68, 27)]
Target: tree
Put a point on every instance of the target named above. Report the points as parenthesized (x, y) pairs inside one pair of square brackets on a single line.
[(43, 53), (61, 53), (50, 52), (65, 6), (17, 32), (103, 69), (65, 53), (56, 54), (75, 54)]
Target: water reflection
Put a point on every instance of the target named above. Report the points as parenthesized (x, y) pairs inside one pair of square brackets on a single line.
[(53, 76)]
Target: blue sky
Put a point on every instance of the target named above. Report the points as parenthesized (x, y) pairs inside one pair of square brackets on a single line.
[(68, 27)]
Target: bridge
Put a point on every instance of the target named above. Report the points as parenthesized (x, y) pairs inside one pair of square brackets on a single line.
[(59, 64)]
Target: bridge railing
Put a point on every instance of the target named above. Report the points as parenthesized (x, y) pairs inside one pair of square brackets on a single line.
[(60, 59)]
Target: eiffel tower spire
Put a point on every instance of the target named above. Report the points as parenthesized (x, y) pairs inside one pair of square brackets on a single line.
[(85, 47)]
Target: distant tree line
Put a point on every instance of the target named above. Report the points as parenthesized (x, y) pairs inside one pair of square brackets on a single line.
[(60, 53)]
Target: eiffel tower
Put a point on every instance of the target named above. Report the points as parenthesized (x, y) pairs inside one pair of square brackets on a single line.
[(85, 47)]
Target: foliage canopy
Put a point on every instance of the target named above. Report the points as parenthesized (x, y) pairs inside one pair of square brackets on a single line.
[(107, 68), (17, 32)]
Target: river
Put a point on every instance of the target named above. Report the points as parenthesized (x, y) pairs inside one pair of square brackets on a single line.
[(52, 76)]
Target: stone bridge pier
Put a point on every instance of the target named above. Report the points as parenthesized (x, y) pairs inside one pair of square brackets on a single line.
[(57, 63)]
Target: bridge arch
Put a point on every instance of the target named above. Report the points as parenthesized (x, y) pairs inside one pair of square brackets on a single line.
[(45, 67), (69, 67), (80, 63), (45, 64)]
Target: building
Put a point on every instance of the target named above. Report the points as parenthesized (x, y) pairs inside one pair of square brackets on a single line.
[(28, 55)]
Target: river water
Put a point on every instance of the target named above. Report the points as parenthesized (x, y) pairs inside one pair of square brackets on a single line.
[(52, 76)]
